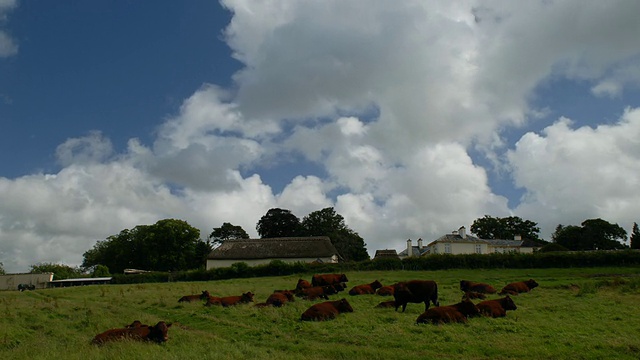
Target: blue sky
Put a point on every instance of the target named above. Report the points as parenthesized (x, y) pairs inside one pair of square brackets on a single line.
[(410, 119)]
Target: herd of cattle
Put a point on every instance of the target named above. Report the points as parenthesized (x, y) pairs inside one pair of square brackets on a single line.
[(323, 285)]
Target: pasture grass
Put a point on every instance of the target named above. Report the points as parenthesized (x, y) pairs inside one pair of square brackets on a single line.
[(586, 313)]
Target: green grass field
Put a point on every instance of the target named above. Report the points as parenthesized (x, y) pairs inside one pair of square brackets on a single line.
[(590, 313)]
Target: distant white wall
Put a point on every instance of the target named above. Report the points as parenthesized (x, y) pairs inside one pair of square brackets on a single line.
[(11, 281)]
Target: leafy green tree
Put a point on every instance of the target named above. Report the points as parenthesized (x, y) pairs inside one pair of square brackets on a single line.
[(593, 234), (279, 223), (505, 228), (327, 222), (2, 272), (60, 271), (226, 232), (168, 245), (100, 271), (635, 237)]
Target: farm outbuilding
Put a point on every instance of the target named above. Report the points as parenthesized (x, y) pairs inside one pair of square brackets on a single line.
[(11, 281), (262, 251)]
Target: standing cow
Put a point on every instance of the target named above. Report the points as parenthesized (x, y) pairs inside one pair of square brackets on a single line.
[(415, 291), (328, 279)]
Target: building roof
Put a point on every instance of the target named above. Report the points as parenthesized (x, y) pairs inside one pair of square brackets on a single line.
[(386, 254), (415, 250), (274, 248), (456, 238)]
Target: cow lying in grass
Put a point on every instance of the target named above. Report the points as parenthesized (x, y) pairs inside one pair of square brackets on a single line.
[(140, 332), (278, 298), (470, 286), (385, 291), (365, 289), (451, 313), (497, 308), (516, 288), (230, 300), (327, 310), (317, 292), (193, 298), (328, 279)]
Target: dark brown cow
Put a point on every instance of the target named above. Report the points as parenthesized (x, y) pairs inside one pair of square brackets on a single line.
[(135, 324), (303, 284), (415, 291), (498, 307), (193, 298), (317, 292), (328, 279), (451, 313), (230, 300), (365, 289), (519, 287), (277, 299), (473, 295), (387, 304), (156, 333), (385, 291), (326, 310), (470, 286)]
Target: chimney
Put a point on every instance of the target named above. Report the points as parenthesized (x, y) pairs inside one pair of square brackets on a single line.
[(420, 244), (409, 248), (462, 232), (517, 237)]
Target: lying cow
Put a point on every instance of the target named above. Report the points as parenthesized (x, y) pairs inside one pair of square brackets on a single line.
[(516, 288), (365, 289), (193, 298), (385, 291), (156, 333), (415, 291), (230, 300), (470, 286), (497, 308), (303, 284), (386, 304), (473, 295), (451, 313), (317, 292), (326, 310), (328, 279), (277, 299)]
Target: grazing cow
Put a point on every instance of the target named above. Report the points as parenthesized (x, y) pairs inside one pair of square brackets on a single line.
[(156, 333), (365, 289), (470, 286), (326, 310), (473, 295), (317, 292), (278, 299), (519, 287), (498, 307), (387, 304), (303, 284), (328, 279), (193, 298), (415, 291), (451, 313), (385, 291), (230, 300)]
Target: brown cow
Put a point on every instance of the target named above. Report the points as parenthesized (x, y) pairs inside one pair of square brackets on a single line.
[(278, 299), (303, 284), (317, 292), (519, 287), (230, 300), (326, 310), (470, 286), (193, 298), (135, 324), (365, 289), (451, 313), (385, 291), (387, 304), (498, 307), (328, 279), (415, 291), (473, 295), (156, 333)]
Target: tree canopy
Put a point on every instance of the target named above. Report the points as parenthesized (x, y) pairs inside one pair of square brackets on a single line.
[(279, 223), (327, 222), (635, 237), (506, 228), (168, 245), (2, 272), (227, 231), (593, 234), (60, 271)]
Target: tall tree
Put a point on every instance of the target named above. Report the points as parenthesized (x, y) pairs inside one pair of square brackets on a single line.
[(327, 222), (60, 271), (226, 232), (166, 245), (635, 237), (279, 223), (2, 272), (593, 234), (505, 228)]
